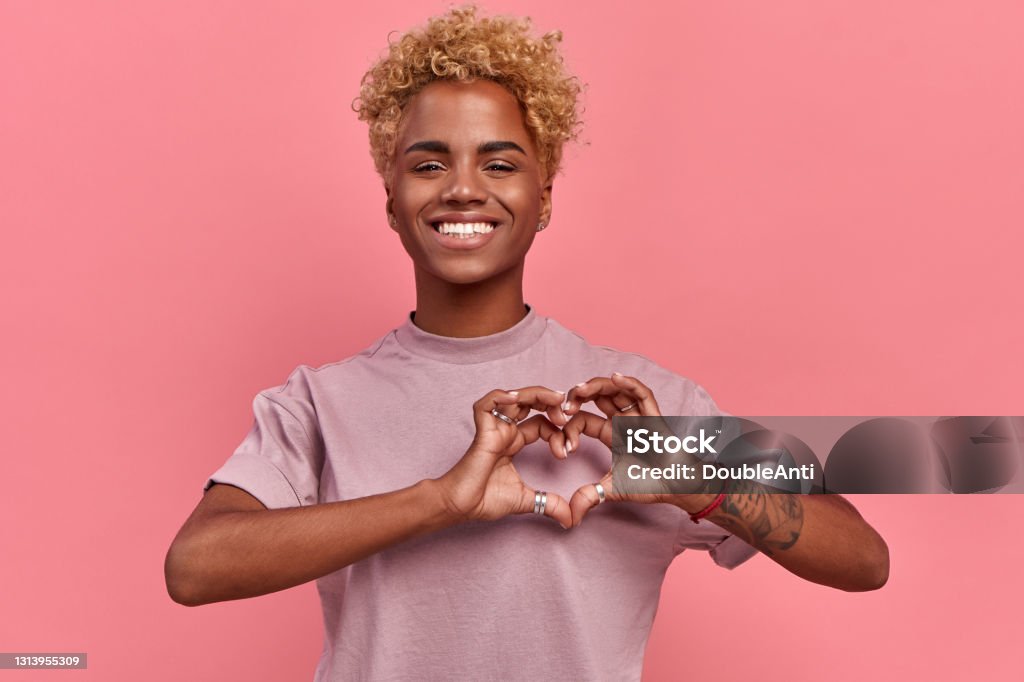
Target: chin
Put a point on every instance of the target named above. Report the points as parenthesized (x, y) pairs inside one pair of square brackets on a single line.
[(469, 273), (465, 277)]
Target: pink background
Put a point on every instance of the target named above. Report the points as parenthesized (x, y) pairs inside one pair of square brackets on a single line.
[(810, 208)]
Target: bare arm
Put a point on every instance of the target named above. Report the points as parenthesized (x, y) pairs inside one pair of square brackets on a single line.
[(233, 547), (821, 538)]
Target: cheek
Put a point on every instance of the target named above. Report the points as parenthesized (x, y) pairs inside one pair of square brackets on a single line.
[(525, 201), (409, 199)]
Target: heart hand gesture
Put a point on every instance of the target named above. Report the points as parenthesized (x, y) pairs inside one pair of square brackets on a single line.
[(484, 484)]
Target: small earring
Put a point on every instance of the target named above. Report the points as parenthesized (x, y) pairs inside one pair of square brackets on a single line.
[(392, 220), (540, 226)]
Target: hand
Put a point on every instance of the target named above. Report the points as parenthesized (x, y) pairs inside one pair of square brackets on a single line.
[(615, 396), (484, 484), (619, 395)]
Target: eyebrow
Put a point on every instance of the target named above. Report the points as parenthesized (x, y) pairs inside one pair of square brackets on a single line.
[(439, 147), (500, 146)]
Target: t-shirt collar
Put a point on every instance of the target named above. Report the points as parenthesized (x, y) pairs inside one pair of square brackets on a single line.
[(469, 351)]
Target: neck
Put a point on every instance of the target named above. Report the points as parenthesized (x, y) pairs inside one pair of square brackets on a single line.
[(469, 310)]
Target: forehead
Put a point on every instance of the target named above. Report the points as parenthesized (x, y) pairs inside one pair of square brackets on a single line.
[(475, 111)]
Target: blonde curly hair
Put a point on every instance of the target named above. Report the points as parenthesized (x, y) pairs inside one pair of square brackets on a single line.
[(460, 46)]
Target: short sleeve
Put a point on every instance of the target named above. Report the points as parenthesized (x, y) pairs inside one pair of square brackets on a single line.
[(280, 460), (731, 552), (726, 550), (698, 403)]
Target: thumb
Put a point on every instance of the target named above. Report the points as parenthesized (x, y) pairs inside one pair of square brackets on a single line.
[(589, 496), (554, 506)]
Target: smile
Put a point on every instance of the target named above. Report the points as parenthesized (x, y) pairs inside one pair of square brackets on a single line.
[(463, 230)]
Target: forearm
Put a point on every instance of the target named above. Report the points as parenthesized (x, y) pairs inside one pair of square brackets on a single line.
[(821, 538), (240, 554)]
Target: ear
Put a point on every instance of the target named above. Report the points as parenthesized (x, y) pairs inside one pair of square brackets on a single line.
[(545, 202), (389, 210)]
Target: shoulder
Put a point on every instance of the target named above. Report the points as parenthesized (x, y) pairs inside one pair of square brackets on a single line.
[(305, 382)]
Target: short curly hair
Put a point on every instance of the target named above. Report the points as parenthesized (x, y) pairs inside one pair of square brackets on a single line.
[(463, 47)]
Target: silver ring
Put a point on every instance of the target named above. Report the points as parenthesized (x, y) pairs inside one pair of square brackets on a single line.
[(627, 408), (600, 492), (540, 502), (503, 417)]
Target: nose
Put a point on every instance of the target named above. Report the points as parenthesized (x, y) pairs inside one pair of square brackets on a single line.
[(463, 186)]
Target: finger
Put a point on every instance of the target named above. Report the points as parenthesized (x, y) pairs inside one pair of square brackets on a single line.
[(496, 399), (572, 402), (638, 390), (598, 388), (588, 424), (591, 389), (618, 395), (612, 401), (624, 404), (587, 497), (609, 407), (538, 426), (555, 506), (556, 413), (542, 399), (588, 391)]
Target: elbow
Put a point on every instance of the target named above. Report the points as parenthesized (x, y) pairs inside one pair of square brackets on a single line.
[(180, 593), (183, 597), (875, 572), (881, 572), (181, 586)]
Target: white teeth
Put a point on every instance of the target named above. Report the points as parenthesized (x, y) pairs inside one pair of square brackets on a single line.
[(464, 230)]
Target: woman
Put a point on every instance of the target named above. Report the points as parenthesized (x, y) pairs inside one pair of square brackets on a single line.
[(357, 474)]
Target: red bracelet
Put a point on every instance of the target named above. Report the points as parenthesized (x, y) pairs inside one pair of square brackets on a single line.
[(708, 509)]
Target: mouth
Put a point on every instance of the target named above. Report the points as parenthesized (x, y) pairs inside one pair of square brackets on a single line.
[(464, 231), (460, 230)]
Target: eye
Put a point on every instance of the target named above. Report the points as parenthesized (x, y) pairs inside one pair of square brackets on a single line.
[(500, 166), (427, 167)]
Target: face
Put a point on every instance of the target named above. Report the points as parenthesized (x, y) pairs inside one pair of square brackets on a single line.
[(467, 191)]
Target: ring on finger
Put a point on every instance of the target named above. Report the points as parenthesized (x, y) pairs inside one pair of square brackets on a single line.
[(627, 408), (503, 417), (600, 492), (540, 502)]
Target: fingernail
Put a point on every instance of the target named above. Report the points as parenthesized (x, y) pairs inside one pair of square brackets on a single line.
[(515, 393), (616, 374), (581, 385), (564, 527), (568, 448)]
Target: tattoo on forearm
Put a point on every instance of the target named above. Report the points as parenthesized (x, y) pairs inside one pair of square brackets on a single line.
[(769, 521)]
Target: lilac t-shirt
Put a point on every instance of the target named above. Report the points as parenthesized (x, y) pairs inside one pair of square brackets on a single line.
[(514, 599)]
